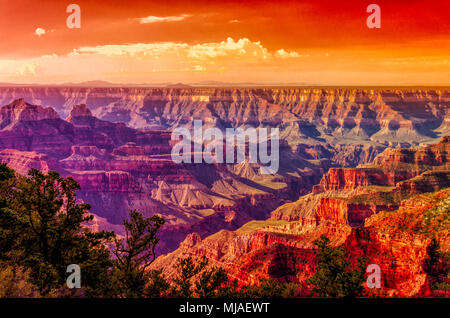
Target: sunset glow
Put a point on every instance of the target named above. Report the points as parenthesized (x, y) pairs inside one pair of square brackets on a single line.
[(262, 42)]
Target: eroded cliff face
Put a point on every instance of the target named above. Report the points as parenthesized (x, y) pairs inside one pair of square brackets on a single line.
[(127, 165), (434, 156), (389, 116), (391, 167), (23, 161), (385, 219), (405, 244), (120, 168), (399, 241)]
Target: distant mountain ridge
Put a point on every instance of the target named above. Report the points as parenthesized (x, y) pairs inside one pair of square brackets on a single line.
[(206, 83), (389, 117)]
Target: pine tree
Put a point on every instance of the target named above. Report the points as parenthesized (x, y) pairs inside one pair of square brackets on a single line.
[(334, 275), (134, 253), (41, 222)]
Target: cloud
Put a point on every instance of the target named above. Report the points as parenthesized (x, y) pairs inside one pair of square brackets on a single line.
[(228, 60), (27, 69), (39, 31), (153, 62), (229, 48), (133, 50), (144, 61), (154, 19), (242, 50), (284, 54)]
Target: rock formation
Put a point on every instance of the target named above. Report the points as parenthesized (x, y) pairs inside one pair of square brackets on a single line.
[(357, 157), (393, 225), (120, 168)]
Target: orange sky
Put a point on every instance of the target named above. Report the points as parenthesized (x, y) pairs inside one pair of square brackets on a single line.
[(310, 42)]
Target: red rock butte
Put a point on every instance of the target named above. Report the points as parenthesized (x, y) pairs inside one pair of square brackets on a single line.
[(351, 161)]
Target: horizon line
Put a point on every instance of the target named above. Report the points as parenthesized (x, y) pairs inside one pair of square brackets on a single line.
[(217, 85)]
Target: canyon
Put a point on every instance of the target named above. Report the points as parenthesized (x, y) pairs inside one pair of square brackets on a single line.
[(385, 213), (351, 161), (121, 168)]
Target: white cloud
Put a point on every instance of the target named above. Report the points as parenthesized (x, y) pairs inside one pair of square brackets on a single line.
[(154, 19), (27, 69), (199, 68), (134, 50), (39, 31), (141, 61), (284, 54), (227, 49), (150, 62)]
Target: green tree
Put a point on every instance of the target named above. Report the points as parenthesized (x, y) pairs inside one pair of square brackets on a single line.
[(157, 285), (15, 283), (42, 231), (196, 279), (267, 288), (9, 230), (134, 253), (210, 281), (264, 288), (42, 213), (186, 270), (334, 275), (437, 265)]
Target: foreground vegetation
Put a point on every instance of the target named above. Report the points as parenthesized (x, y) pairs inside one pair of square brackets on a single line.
[(42, 232)]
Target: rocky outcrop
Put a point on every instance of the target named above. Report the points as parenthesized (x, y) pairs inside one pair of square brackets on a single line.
[(401, 243), (105, 181), (339, 211), (22, 161), (389, 168), (247, 257), (129, 149), (426, 182), (79, 111), (347, 179), (431, 157), (120, 168), (381, 117), (19, 111), (363, 210)]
